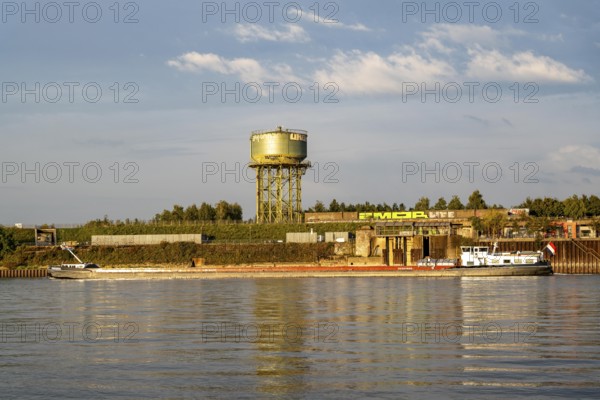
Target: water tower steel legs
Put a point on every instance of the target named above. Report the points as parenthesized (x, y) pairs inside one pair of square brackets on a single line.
[(279, 192)]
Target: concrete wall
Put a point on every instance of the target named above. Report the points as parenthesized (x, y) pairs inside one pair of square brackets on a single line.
[(330, 216), (363, 241), (131, 240), (335, 236), (301, 237)]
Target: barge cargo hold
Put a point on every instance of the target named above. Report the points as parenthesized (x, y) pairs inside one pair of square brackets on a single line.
[(294, 272)]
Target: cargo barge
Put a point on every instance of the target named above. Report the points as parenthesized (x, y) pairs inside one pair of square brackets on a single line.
[(474, 261), (291, 272)]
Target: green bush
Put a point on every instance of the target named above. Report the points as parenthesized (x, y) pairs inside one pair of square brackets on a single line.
[(217, 232), (176, 253)]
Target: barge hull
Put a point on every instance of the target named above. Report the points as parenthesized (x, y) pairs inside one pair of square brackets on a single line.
[(289, 272)]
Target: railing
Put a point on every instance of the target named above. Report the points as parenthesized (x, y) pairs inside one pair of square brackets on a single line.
[(278, 130), (586, 249)]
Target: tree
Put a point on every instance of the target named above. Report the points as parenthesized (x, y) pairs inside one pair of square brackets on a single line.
[(494, 223), (334, 206), (319, 206), (574, 207), (547, 207), (441, 204), (398, 207), (552, 207), (235, 212), (366, 206), (528, 203), (7, 242), (383, 207), (477, 225), (221, 210), (514, 225), (476, 201), (166, 216), (206, 212), (538, 225), (422, 204), (191, 213), (455, 203), (177, 214), (592, 206)]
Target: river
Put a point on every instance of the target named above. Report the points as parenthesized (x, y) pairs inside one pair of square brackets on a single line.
[(301, 338)]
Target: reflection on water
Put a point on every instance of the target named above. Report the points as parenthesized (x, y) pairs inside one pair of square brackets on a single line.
[(279, 360), (297, 338)]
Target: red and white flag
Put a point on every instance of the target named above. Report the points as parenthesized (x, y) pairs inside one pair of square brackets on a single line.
[(552, 248)]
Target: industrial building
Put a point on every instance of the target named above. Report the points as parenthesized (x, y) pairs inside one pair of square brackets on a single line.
[(404, 243)]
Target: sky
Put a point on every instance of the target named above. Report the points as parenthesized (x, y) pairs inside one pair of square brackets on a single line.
[(125, 108)]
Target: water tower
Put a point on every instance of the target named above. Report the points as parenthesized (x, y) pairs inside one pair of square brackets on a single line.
[(278, 157)]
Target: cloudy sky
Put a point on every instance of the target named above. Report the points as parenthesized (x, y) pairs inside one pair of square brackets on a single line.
[(126, 108)]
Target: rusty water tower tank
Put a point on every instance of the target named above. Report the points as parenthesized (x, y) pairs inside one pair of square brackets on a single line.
[(279, 146)]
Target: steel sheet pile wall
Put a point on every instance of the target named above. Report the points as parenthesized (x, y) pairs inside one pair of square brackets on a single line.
[(575, 256), (24, 273)]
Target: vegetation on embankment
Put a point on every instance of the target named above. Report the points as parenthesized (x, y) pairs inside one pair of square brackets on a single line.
[(174, 253), (217, 232)]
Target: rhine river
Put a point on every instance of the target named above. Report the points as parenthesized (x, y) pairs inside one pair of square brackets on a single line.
[(301, 338)]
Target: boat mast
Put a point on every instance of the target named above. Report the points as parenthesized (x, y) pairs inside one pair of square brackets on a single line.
[(494, 249), (65, 247)]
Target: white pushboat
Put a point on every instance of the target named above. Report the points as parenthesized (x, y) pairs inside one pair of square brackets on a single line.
[(481, 257)]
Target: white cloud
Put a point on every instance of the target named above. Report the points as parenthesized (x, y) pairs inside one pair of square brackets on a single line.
[(575, 158), (194, 62), (353, 27), (253, 33), (465, 35), (247, 69), (572, 164), (522, 66), (440, 37), (359, 72), (334, 23), (552, 38), (443, 53)]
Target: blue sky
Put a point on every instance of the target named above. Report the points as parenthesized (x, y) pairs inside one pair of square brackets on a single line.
[(389, 90)]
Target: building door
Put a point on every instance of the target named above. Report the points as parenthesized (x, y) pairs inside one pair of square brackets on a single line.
[(426, 251), (398, 257)]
